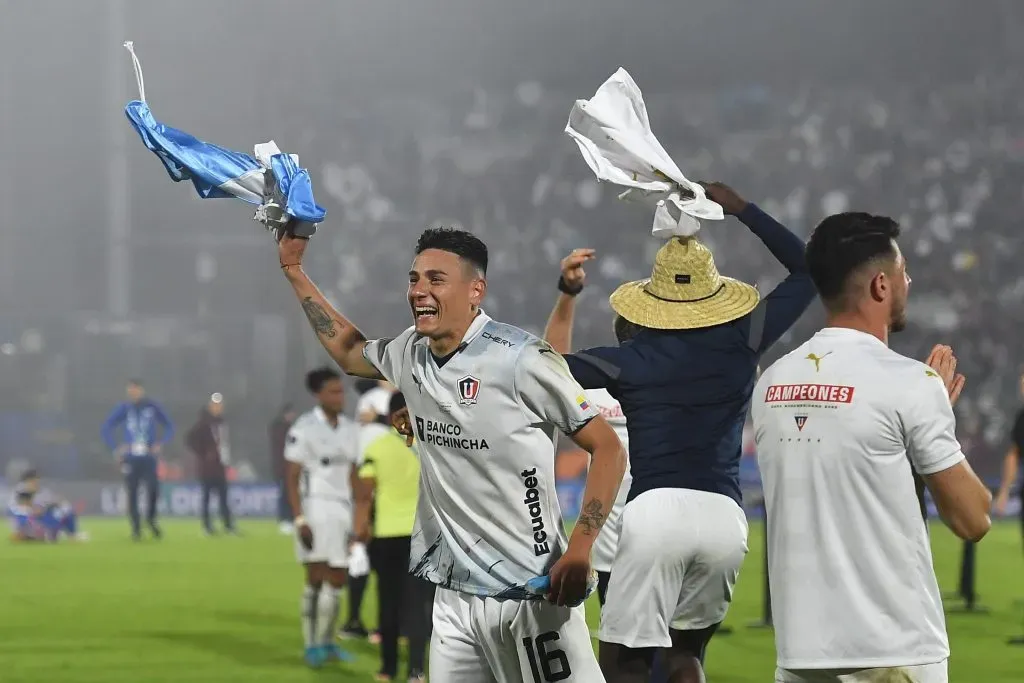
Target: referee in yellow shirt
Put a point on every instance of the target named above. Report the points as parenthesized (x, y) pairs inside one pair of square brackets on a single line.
[(391, 475)]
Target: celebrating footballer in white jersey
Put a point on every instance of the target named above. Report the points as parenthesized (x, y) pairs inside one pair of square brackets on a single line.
[(483, 396), (322, 454), (840, 423)]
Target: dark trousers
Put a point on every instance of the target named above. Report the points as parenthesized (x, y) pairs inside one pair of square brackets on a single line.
[(284, 507), (400, 594), (220, 485), (602, 586), (139, 471)]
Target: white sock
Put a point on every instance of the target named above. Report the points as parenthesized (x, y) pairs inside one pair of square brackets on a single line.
[(308, 612), (326, 614)]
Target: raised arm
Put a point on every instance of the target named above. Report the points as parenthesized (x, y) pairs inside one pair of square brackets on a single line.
[(339, 337), (787, 302), (558, 331)]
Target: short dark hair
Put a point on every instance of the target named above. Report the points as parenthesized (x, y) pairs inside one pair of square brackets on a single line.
[(316, 379), (843, 244), (465, 245), (135, 382), (625, 330), (396, 403), (29, 475), (364, 385)]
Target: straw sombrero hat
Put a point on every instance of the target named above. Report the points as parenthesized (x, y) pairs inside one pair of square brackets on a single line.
[(685, 291)]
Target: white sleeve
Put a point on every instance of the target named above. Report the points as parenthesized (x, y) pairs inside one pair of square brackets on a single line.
[(357, 443), (929, 427), (388, 355), (296, 446), (547, 391), (362, 444)]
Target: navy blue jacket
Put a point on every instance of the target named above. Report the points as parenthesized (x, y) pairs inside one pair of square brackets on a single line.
[(685, 393), (136, 426)]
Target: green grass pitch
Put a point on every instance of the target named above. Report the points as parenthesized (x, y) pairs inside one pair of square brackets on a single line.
[(222, 610)]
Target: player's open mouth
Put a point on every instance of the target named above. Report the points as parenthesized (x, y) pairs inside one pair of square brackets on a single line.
[(424, 312)]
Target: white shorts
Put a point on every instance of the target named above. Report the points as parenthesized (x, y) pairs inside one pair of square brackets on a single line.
[(482, 640), (921, 673), (603, 553), (331, 524), (679, 554)]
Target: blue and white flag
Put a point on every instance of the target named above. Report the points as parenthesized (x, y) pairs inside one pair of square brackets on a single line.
[(281, 189)]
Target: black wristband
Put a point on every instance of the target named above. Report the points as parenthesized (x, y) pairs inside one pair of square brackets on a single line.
[(565, 288)]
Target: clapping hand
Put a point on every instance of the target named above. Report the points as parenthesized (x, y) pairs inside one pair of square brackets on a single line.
[(943, 362)]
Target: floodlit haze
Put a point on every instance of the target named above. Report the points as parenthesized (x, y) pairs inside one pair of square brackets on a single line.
[(412, 113)]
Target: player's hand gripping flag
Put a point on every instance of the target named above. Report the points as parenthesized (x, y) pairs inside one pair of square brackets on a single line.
[(541, 585), (282, 191)]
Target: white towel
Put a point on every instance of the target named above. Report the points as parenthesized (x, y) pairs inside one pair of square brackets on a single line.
[(615, 137), (358, 560)]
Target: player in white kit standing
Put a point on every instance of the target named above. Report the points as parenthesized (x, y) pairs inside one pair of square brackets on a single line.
[(853, 589), (483, 397), (323, 457)]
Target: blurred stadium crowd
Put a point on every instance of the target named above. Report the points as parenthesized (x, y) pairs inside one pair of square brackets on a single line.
[(209, 313), (948, 163)]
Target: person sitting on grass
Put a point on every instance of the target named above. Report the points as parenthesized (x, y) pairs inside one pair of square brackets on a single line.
[(36, 515)]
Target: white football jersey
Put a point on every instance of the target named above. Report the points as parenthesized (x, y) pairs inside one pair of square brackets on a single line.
[(611, 411), (839, 423), (488, 519), (327, 455)]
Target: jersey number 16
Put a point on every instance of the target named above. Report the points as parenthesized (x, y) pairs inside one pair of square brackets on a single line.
[(548, 659)]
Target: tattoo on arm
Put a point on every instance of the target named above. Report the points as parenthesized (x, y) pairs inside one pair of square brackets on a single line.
[(591, 517), (322, 323)]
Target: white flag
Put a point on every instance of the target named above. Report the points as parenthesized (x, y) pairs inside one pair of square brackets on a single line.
[(615, 138)]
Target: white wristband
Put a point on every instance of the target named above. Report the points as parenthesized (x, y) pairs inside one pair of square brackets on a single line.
[(299, 521)]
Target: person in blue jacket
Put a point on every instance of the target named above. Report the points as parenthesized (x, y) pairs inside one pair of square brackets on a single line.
[(136, 432)]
